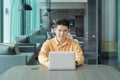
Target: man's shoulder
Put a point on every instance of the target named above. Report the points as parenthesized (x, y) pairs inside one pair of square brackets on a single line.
[(50, 40), (71, 40)]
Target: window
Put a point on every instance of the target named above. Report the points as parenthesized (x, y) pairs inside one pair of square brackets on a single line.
[(1, 21)]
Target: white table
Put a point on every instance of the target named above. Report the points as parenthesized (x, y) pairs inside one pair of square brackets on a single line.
[(39, 72)]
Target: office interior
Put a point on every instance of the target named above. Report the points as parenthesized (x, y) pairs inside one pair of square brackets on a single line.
[(94, 23)]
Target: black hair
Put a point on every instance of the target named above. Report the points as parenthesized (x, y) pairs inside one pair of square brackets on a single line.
[(63, 22)]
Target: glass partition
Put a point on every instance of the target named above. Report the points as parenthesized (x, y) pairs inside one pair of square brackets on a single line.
[(118, 33), (100, 39), (32, 23), (94, 24), (91, 32), (21, 22), (35, 18), (44, 7), (83, 17), (14, 20), (1, 21), (11, 20), (110, 33)]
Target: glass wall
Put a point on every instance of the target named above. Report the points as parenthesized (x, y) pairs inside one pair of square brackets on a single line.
[(44, 6), (110, 33), (14, 19), (118, 31), (105, 18), (11, 19), (106, 23), (1, 20), (15, 15), (31, 17)]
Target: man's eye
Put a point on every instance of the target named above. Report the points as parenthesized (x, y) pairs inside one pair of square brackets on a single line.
[(65, 30), (59, 30)]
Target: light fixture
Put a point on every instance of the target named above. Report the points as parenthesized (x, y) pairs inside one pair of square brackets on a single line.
[(48, 11), (25, 7), (45, 14)]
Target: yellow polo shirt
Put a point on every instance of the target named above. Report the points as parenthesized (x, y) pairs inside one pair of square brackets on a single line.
[(54, 45)]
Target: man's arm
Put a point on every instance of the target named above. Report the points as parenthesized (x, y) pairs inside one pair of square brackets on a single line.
[(43, 54), (78, 54)]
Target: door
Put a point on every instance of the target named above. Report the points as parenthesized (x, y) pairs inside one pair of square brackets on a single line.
[(79, 25), (91, 33)]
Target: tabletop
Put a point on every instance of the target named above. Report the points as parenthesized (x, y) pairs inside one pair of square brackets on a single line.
[(39, 72)]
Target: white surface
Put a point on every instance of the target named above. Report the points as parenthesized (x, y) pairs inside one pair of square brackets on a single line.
[(61, 61)]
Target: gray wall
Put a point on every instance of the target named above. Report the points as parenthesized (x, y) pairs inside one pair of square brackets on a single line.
[(67, 5)]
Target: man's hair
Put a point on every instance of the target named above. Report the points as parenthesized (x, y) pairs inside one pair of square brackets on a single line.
[(63, 22)]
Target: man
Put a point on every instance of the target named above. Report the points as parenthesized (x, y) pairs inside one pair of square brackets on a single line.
[(61, 43)]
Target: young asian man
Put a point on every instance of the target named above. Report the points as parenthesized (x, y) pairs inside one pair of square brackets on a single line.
[(61, 43)]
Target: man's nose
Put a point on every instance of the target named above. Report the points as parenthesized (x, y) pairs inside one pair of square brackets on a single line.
[(62, 32)]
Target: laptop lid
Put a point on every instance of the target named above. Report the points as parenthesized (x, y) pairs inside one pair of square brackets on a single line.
[(61, 61)]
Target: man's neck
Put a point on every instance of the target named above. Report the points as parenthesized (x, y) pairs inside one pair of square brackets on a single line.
[(61, 40)]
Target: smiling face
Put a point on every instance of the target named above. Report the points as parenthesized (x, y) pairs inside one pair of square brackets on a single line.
[(61, 32)]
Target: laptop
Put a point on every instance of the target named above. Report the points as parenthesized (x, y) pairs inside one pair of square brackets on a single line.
[(62, 61)]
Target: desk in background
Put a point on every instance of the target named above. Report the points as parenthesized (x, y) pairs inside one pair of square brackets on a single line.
[(39, 72)]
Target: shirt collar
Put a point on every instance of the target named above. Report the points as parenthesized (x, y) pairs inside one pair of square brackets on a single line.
[(64, 43)]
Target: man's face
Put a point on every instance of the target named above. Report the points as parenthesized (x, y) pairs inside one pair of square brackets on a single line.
[(61, 32)]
